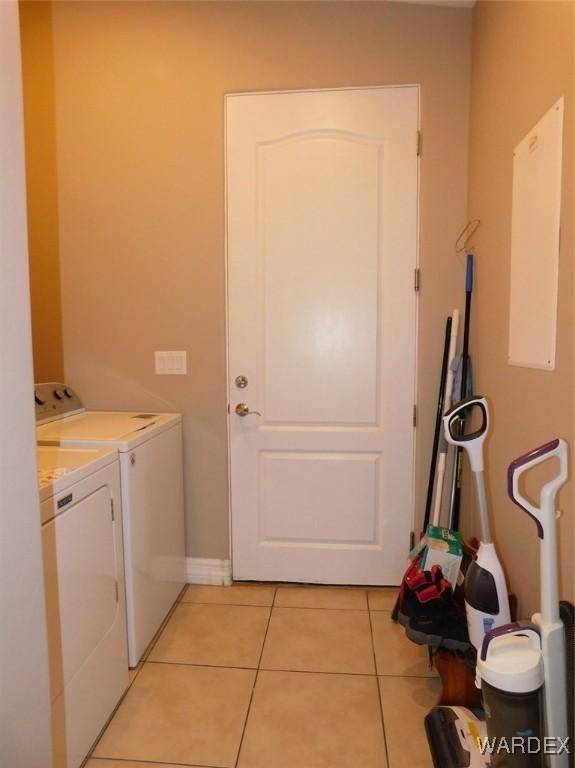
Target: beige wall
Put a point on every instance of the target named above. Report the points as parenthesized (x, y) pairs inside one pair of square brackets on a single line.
[(42, 191), (139, 116), (522, 63)]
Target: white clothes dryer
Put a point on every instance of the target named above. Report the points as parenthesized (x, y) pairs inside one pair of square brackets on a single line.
[(81, 511), (151, 470)]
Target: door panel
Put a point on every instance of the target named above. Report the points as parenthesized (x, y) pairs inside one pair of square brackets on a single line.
[(321, 245), (323, 488), (314, 334)]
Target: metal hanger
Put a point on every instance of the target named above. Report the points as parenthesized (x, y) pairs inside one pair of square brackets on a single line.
[(462, 242)]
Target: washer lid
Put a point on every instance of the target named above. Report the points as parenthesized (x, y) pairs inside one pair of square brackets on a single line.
[(94, 426)]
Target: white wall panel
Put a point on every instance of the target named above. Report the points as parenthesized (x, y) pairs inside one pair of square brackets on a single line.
[(535, 236)]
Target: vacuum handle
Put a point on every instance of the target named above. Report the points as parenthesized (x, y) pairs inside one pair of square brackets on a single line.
[(473, 441), (519, 466), (509, 630)]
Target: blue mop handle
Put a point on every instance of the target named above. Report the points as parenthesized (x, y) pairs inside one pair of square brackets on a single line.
[(469, 274)]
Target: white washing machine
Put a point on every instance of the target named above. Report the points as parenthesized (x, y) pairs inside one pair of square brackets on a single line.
[(151, 469), (80, 502)]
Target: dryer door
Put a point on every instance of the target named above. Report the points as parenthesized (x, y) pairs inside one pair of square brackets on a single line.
[(80, 567), (85, 625)]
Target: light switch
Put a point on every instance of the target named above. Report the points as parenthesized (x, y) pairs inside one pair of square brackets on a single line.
[(171, 363)]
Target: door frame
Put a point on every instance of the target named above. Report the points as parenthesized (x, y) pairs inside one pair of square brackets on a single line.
[(226, 279), (25, 725)]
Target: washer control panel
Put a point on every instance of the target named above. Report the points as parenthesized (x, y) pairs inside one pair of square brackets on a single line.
[(54, 400)]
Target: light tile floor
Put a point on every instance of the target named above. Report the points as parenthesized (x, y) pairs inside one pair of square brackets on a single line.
[(276, 677)]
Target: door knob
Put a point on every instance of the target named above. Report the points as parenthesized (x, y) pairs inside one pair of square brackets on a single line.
[(243, 410)]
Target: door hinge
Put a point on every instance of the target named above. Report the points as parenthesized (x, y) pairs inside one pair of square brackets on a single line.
[(419, 143), (415, 415), (411, 540), (112, 508), (416, 279), (117, 593)]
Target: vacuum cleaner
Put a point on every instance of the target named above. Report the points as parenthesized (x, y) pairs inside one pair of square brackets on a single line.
[(486, 597), (456, 737), (521, 667), (546, 636)]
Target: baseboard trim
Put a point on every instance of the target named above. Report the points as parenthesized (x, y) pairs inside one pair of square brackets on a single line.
[(204, 570)]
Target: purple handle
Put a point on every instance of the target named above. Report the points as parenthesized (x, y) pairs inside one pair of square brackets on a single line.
[(527, 458), (536, 453), (507, 629), (469, 274)]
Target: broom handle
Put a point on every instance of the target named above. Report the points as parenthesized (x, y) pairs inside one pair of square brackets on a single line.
[(446, 407), (438, 422), (455, 506)]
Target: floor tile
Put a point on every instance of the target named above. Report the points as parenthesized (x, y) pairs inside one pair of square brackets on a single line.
[(180, 714), (319, 641), (132, 764), (219, 635), (382, 599), (300, 720), (405, 702), (394, 653), (320, 597), (237, 594)]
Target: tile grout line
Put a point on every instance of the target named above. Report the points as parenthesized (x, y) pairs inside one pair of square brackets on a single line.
[(152, 762), (379, 692), (292, 671), (200, 666), (255, 682), (288, 607), (160, 631), (138, 669), (153, 641), (231, 605), (319, 608)]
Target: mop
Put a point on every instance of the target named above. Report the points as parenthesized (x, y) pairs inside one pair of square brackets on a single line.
[(445, 388), (454, 734), (486, 596)]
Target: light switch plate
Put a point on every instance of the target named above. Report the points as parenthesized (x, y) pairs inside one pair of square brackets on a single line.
[(171, 363)]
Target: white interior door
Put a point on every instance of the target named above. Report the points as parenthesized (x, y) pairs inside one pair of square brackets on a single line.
[(322, 218)]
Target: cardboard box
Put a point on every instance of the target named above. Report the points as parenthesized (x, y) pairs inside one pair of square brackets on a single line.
[(443, 547)]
